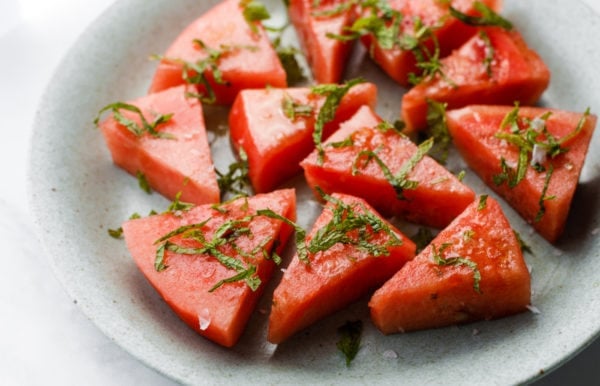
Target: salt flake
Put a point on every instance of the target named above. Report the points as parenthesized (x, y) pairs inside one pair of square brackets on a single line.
[(533, 309)]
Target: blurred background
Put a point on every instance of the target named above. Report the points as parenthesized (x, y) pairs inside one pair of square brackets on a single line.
[(44, 338)]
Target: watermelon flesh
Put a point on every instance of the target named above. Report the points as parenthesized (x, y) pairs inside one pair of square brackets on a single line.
[(326, 56), (220, 315), (335, 277), (474, 130), (249, 60), (437, 199), (425, 294), (513, 73), (181, 165)]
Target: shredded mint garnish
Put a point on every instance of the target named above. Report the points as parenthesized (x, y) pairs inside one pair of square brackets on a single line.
[(488, 17), (490, 52), (400, 181), (468, 235), (294, 109), (333, 96), (225, 235), (254, 11), (543, 197), (346, 219), (300, 234), (338, 9), (287, 56), (196, 73), (178, 206), (440, 260), (531, 137), (143, 182), (236, 180), (135, 128), (482, 202), (350, 336), (525, 248), (437, 128)]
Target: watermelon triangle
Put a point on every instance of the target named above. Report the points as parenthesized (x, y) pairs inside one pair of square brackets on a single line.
[(187, 281), (494, 67), (335, 277), (474, 130), (436, 200), (426, 293), (178, 163), (313, 22), (248, 59)]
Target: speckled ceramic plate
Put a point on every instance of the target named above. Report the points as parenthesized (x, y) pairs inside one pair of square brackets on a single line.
[(77, 194)]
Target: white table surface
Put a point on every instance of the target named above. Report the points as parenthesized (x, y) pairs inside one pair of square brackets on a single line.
[(44, 337)]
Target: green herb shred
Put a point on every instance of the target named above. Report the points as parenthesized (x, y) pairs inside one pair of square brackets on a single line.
[(400, 181), (437, 128), (346, 219), (196, 73), (490, 52), (143, 182), (236, 180), (337, 10), (543, 197), (116, 233), (293, 109), (131, 125), (254, 11), (488, 17), (350, 337), (525, 248), (333, 96), (440, 260), (300, 234), (287, 56), (226, 234), (482, 202)]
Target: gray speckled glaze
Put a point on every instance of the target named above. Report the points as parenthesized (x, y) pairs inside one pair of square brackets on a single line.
[(77, 194)]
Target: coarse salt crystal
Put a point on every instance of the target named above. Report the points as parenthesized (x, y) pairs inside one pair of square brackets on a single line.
[(475, 332), (538, 155), (390, 354), (595, 231), (533, 309), (204, 319), (537, 124)]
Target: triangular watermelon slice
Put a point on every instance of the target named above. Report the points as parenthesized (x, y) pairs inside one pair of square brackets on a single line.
[(494, 67), (350, 251), (473, 270), (358, 158), (275, 127), (186, 277), (450, 32), (175, 159), (313, 22), (221, 38), (485, 135)]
